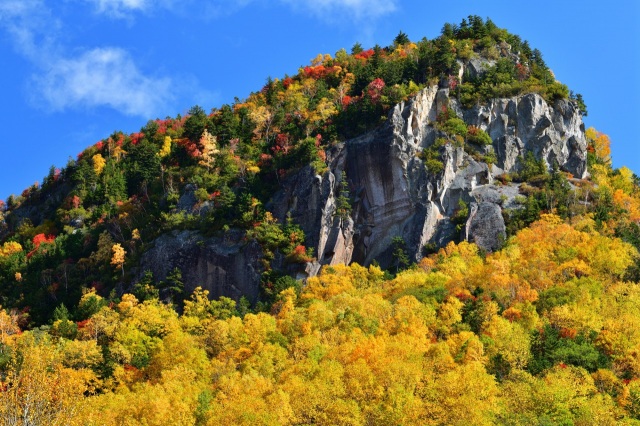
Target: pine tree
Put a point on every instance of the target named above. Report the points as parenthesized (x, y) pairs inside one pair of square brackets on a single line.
[(343, 202)]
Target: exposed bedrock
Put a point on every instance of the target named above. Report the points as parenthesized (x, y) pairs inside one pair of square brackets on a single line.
[(393, 194)]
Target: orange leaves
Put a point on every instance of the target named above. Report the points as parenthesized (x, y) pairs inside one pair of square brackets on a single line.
[(319, 71), (553, 252), (38, 240), (627, 203), (299, 255), (599, 144), (364, 55)]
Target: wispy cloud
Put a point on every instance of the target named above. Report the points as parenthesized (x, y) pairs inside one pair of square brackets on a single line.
[(126, 9), (327, 10), (354, 9), (30, 25), (98, 77), (103, 77), (119, 8)]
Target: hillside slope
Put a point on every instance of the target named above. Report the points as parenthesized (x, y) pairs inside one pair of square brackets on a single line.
[(469, 255), (381, 155)]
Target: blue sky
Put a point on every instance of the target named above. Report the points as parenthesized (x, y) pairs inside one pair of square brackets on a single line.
[(74, 71)]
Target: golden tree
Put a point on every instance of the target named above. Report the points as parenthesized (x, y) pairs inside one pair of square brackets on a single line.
[(117, 259)]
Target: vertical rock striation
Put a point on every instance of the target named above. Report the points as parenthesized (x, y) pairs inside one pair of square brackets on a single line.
[(394, 194), (392, 191)]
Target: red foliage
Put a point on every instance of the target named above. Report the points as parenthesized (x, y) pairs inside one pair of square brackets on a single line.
[(453, 82), (190, 147), (38, 240), (512, 314), (443, 115), (282, 144), (521, 72), (464, 296), (76, 202), (346, 101), (568, 333), (162, 126), (364, 55), (135, 138), (99, 145), (299, 255), (287, 82), (264, 159), (318, 140), (42, 238), (318, 72), (177, 124), (562, 365), (82, 324), (374, 89)]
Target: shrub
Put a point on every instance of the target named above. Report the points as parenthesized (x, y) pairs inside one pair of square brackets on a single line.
[(478, 136)]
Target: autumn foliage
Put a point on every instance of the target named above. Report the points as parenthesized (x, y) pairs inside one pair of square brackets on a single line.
[(545, 330)]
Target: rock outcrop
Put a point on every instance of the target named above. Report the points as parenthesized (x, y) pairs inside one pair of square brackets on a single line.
[(395, 195), (228, 266)]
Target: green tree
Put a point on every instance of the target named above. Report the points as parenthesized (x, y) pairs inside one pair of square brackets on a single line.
[(195, 123), (343, 201), (399, 253), (173, 286), (401, 39)]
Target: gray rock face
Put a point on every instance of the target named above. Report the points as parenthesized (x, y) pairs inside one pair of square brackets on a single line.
[(475, 67), (528, 124), (485, 225), (226, 267), (395, 195)]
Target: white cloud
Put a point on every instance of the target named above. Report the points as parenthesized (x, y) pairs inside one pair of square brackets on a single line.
[(328, 10), (103, 77), (93, 78), (125, 8), (30, 26), (336, 9), (118, 7)]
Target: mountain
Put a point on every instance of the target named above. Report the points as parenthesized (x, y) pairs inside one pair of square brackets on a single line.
[(378, 156), (423, 233)]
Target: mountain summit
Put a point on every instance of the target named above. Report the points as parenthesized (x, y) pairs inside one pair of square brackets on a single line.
[(380, 156)]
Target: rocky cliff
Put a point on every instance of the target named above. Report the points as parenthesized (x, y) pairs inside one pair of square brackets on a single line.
[(394, 194)]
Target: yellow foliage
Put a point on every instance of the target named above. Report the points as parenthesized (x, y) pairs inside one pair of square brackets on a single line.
[(9, 248), (209, 149), (98, 163), (600, 143), (117, 259), (38, 389), (166, 147)]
